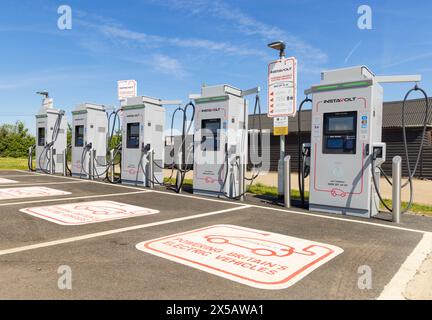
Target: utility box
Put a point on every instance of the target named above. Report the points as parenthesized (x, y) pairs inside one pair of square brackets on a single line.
[(220, 141), (143, 122), (346, 124), (89, 135), (51, 136)]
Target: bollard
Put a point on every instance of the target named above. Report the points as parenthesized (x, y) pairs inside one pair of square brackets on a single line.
[(287, 182), (30, 156), (179, 174), (112, 165), (65, 162), (242, 178), (396, 188), (150, 169), (91, 165), (51, 160)]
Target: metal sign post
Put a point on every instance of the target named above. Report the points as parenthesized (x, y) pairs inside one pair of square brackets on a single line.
[(282, 95)]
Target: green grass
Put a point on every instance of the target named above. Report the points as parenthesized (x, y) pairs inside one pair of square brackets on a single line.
[(187, 182), (263, 190), (13, 163), (416, 208)]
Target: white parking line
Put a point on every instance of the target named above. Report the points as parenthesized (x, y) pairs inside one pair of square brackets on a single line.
[(309, 214), (39, 184), (115, 231), (395, 289), (142, 188), (72, 198), (16, 175), (87, 180)]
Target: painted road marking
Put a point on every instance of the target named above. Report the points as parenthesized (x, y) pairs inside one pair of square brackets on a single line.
[(390, 286), (141, 188), (115, 231), (48, 183), (73, 214), (395, 289), (29, 192), (73, 198), (16, 175), (7, 181), (252, 257), (308, 214)]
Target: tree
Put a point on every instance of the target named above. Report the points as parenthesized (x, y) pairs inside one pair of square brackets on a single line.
[(15, 140)]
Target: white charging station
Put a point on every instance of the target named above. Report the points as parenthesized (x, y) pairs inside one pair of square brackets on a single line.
[(89, 140), (346, 145), (51, 137), (221, 141), (143, 122)]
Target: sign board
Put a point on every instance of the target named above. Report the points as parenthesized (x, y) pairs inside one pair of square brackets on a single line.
[(30, 192), (73, 214), (252, 257), (7, 181), (282, 88), (126, 89), (280, 126)]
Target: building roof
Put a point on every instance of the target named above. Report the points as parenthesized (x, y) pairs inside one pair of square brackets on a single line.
[(392, 116)]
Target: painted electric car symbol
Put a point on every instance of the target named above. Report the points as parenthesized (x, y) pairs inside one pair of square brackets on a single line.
[(338, 192), (100, 210), (260, 247), (132, 171), (209, 180)]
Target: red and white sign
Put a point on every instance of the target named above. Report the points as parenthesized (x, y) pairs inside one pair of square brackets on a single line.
[(282, 88), (7, 181), (252, 257), (30, 192), (87, 212), (126, 89)]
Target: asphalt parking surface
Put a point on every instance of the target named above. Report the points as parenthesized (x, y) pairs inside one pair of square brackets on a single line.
[(106, 264)]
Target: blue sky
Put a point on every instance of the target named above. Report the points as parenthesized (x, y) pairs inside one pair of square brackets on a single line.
[(172, 47)]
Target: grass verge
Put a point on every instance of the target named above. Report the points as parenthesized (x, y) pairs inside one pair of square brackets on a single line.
[(13, 164)]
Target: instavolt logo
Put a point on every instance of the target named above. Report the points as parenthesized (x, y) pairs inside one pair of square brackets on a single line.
[(340, 100), (281, 70)]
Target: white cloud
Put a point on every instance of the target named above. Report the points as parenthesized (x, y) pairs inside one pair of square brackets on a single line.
[(42, 78), (250, 26), (167, 65), (352, 51), (412, 58), (120, 33)]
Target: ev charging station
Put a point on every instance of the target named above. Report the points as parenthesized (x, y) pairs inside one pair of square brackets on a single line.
[(221, 141), (51, 137), (143, 126), (346, 146), (89, 140), (143, 122)]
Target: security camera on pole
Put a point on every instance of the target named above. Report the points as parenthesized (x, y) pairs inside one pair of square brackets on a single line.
[(282, 95)]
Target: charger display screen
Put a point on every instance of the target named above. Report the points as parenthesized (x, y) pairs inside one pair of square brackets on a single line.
[(133, 135), (41, 137), (79, 136), (340, 132), (335, 143)]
